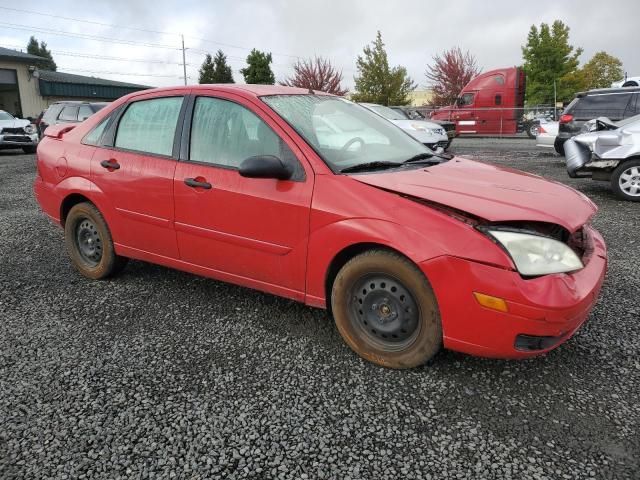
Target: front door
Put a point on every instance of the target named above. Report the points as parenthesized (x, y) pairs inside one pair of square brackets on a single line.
[(135, 175), (247, 230)]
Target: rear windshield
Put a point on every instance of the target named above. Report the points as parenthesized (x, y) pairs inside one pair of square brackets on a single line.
[(611, 105)]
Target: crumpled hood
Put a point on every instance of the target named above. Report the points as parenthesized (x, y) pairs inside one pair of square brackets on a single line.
[(15, 123), (493, 193)]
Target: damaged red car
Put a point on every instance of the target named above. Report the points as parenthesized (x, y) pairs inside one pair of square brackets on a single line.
[(315, 198)]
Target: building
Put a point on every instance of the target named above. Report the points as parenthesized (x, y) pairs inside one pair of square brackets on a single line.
[(25, 90), (419, 98)]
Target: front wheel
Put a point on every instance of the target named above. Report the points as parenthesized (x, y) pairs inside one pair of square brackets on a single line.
[(386, 311), (30, 149), (89, 243), (625, 180)]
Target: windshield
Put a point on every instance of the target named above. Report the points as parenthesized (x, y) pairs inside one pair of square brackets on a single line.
[(386, 112), (5, 116), (344, 133)]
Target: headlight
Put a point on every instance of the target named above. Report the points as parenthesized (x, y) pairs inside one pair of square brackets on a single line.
[(29, 129), (536, 255), (422, 128)]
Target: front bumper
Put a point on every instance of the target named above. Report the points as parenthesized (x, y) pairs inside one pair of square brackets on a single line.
[(17, 140), (542, 312)]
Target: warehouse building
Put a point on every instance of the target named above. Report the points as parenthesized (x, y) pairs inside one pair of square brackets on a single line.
[(25, 90)]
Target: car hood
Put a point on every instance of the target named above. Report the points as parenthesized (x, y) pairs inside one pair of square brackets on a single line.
[(14, 123), (493, 193), (412, 124)]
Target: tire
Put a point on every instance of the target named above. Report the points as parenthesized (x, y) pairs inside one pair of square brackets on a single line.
[(625, 180), (378, 295), (559, 147), (89, 243), (29, 149), (532, 129)]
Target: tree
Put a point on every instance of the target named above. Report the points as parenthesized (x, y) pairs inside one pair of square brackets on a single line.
[(258, 69), (549, 57), (376, 82), (216, 70), (41, 50), (316, 74), (449, 74), (601, 71)]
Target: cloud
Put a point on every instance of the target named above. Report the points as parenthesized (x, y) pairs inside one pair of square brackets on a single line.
[(413, 31)]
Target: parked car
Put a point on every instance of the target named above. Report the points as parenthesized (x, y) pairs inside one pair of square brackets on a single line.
[(491, 103), (627, 82), (546, 133), (68, 112), (17, 133), (430, 134), (609, 152), (414, 114), (613, 103), (407, 249)]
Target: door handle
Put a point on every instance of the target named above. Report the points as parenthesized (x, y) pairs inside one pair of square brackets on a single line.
[(111, 164), (193, 183)]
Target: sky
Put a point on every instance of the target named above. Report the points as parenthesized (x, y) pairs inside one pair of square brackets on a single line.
[(142, 38)]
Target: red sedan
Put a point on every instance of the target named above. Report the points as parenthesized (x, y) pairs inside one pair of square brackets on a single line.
[(312, 197)]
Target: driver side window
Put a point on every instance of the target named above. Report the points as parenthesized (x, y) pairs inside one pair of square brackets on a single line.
[(466, 99), (224, 134)]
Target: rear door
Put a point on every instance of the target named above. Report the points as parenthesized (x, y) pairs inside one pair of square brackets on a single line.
[(134, 170), (247, 230)]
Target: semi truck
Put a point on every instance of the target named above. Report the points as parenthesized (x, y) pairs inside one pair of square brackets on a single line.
[(491, 103)]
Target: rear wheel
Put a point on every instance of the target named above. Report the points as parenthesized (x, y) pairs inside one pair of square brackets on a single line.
[(625, 180), (559, 147), (386, 311), (89, 243)]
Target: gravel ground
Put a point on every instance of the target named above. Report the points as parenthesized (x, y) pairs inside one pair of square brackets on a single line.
[(161, 374)]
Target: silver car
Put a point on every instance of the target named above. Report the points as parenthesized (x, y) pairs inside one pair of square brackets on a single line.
[(609, 151), (430, 134), (17, 133)]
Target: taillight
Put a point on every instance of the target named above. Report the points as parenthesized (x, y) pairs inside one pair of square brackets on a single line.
[(541, 130), (566, 118)]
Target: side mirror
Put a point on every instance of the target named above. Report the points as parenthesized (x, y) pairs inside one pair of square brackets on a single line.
[(265, 166)]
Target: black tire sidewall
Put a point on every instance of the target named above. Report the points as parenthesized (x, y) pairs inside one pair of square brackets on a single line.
[(108, 261), (429, 338), (615, 179)]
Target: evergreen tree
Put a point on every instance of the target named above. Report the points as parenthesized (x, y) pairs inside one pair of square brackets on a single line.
[(221, 69), (549, 57), (206, 70), (376, 82), (41, 50), (258, 69)]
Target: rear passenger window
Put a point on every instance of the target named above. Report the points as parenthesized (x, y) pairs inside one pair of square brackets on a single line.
[(611, 105), (634, 106), (84, 112), (149, 126), (498, 99), (69, 114)]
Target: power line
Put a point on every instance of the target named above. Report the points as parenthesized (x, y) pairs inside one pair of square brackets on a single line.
[(111, 25), (97, 38), (102, 57), (103, 72)]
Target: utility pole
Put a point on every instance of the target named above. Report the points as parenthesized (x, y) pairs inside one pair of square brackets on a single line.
[(184, 61), (555, 99)]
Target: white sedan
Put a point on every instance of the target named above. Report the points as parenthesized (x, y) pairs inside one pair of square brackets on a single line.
[(430, 134), (547, 133)]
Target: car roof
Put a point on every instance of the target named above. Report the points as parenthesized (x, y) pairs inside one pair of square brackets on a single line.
[(250, 89), (78, 102), (599, 91)]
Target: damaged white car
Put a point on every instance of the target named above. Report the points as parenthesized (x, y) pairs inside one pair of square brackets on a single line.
[(17, 133), (608, 151)]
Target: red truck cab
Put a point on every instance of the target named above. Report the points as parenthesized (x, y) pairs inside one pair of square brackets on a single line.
[(491, 103)]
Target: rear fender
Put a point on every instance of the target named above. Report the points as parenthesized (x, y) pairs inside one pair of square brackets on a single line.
[(86, 188)]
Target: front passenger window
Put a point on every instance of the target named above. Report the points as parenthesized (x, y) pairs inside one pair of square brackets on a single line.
[(225, 133)]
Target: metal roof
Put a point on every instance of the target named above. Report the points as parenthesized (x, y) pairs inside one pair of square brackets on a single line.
[(17, 56), (68, 85)]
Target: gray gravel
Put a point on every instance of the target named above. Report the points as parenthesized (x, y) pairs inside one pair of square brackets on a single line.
[(161, 374)]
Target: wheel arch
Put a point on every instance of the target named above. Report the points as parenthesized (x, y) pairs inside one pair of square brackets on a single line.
[(71, 201)]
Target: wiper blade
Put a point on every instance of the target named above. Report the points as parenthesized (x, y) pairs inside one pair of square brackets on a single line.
[(423, 156), (361, 167)]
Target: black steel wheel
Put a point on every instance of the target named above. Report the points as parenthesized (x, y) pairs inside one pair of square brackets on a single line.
[(385, 310)]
